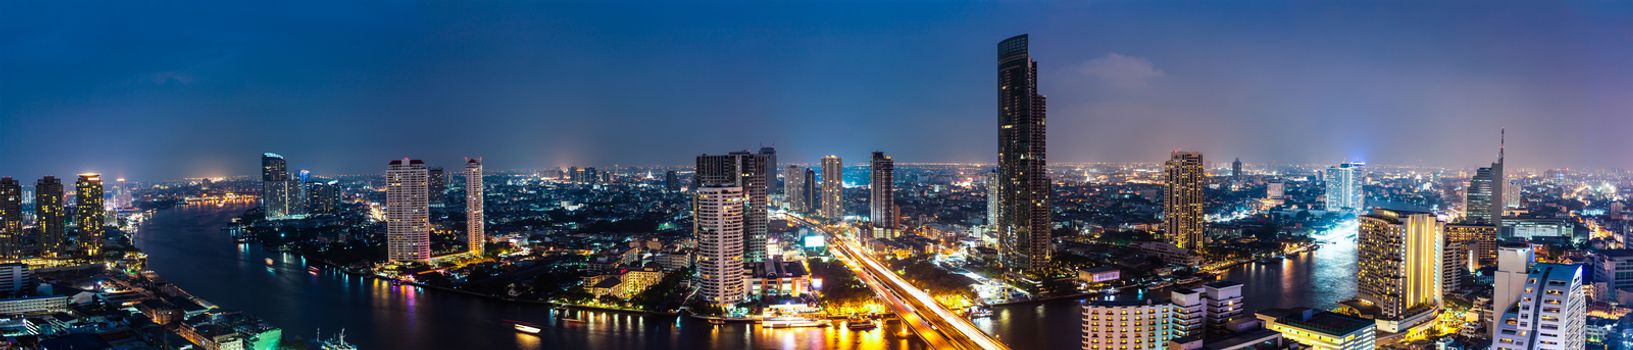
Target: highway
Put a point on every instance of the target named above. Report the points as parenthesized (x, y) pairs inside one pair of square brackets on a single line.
[(939, 327)]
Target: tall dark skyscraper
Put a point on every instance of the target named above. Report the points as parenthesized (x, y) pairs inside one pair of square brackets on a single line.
[(773, 185), (746, 171), (812, 191), (436, 188), (11, 218), (276, 187), (49, 215), (671, 181), (881, 196), (1024, 244), (1498, 181), (1236, 172), (88, 213), (323, 197)]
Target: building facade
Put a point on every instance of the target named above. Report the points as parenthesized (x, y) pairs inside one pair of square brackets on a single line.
[(794, 194), (1126, 325), (1023, 228), (1551, 313), (475, 225), (1182, 201), (89, 208), (50, 217), (717, 225), (1399, 263), (408, 220), (11, 219), (833, 188), (881, 196), (745, 171), (1345, 183)]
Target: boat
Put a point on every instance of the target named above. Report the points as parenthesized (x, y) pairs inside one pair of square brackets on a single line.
[(792, 322), (717, 322), (337, 343), (980, 312), (860, 324), (525, 328), (269, 261), (312, 269)]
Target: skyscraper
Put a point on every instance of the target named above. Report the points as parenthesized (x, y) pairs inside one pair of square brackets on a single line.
[(323, 197), (1514, 260), (1344, 187), (794, 189), (833, 188), (746, 171), (49, 216), (274, 186), (475, 235), (1128, 324), (881, 195), (717, 225), (1551, 313), (1236, 172), (993, 206), (1024, 244), (11, 218), (1477, 204), (773, 185), (812, 191), (1398, 262), (1498, 183), (1182, 201), (408, 221), (88, 213), (436, 187), (671, 181)]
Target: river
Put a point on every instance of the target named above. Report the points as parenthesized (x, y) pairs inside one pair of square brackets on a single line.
[(186, 247)]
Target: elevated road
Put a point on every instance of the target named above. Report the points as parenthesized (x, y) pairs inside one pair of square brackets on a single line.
[(939, 327)]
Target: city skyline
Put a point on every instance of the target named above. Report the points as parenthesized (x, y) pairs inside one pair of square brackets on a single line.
[(1267, 86)]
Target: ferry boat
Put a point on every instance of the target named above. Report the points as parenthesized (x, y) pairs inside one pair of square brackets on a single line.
[(269, 262), (337, 343), (792, 322), (980, 312), (860, 324), (312, 269)]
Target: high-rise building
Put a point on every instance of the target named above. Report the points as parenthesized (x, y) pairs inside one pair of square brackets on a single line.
[(1398, 262), (717, 225), (833, 188), (436, 187), (475, 234), (575, 175), (671, 181), (812, 191), (408, 219), (1476, 243), (993, 206), (1236, 172), (1182, 201), (323, 197), (1477, 204), (794, 191), (591, 176), (746, 171), (275, 187), (1611, 267), (88, 213), (881, 196), (1498, 184), (122, 197), (11, 218), (1514, 260), (1551, 313), (1126, 325), (1345, 187), (773, 185), (49, 216), (1204, 311), (1024, 242)]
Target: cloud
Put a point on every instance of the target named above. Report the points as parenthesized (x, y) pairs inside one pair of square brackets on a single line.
[(1120, 71)]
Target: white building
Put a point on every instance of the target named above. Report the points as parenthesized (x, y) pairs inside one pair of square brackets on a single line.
[(1134, 325), (718, 227), (833, 188), (408, 220), (1551, 312), (476, 237), (1513, 266), (1344, 183)]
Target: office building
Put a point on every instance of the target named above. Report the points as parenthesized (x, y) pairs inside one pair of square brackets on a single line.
[(1613, 268), (1236, 172), (408, 221), (50, 218), (436, 187), (89, 214), (794, 194), (773, 184), (323, 197), (717, 225), (1514, 260), (881, 196), (1024, 222), (671, 181), (1345, 187), (1126, 325), (1321, 330), (475, 226), (276, 187), (1399, 262), (11, 219), (1182, 201), (746, 171), (1551, 313), (833, 188)]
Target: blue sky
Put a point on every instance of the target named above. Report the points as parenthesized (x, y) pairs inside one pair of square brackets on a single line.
[(162, 90)]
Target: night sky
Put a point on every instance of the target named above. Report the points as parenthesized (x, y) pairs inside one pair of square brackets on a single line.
[(170, 89)]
